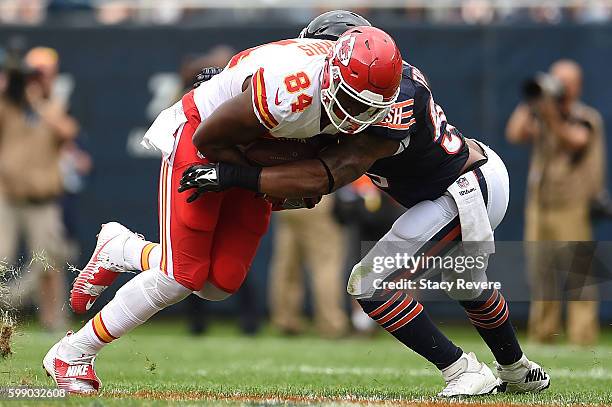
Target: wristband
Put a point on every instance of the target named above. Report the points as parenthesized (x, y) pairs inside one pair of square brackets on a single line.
[(239, 176), (330, 177)]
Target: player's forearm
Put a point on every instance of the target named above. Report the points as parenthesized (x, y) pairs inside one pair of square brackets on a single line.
[(229, 155), (306, 178), (345, 170)]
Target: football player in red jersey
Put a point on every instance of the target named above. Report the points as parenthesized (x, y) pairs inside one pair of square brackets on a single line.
[(427, 165), (206, 247)]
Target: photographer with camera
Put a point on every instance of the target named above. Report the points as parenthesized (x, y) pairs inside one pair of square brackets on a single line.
[(567, 172), (34, 127)]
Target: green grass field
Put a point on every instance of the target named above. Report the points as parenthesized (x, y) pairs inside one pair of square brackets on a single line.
[(159, 362)]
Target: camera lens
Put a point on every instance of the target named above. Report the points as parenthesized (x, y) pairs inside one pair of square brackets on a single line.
[(531, 89)]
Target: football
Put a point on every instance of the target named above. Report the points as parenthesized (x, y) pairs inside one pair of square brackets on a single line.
[(268, 152)]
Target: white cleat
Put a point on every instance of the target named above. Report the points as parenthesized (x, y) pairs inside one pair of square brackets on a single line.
[(102, 269), (468, 377), (523, 376), (71, 369)]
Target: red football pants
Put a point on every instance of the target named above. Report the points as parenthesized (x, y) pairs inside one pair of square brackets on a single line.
[(215, 238)]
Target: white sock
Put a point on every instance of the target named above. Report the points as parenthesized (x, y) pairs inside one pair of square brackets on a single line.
[(522, 363), (137, 301), (155, 256), (86, 340), (132, 252), (137, 254)]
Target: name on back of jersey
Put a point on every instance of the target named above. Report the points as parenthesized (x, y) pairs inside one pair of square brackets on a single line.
[(400, 116)]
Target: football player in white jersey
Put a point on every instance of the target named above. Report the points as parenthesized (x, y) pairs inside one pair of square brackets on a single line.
[(206, 247), (454, 188)]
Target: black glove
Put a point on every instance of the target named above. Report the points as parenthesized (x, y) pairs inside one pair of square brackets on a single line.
[(202, 177), (218, 177), (206, 74)]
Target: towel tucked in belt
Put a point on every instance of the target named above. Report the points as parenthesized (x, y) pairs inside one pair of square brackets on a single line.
[(161, 134), (476, 230)]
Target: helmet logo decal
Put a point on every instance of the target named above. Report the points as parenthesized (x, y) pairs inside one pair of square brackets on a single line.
[(344, 49)]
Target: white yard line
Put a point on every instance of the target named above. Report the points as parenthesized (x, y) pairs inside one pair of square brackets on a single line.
[(595, 373)]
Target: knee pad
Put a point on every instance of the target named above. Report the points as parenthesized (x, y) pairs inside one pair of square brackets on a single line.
[(211, 293), (160, 290), (141, 298), (361, 282), (228, 274)]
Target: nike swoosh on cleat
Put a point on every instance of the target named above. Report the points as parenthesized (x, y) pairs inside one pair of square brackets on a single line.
[(89, 304)]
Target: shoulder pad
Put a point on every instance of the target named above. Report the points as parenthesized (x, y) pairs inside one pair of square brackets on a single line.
[(280, 96)]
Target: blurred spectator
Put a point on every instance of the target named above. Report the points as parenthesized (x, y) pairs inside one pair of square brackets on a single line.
[(308, 238), (34, 126), (477, 12), (590, 11), (549, 12), (114, 12), (444, 14), (415, 14), (162, 12), (168, 12), (28, 12), (567, 172)]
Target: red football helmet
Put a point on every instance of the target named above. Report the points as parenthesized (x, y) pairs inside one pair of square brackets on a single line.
[(361, 79)]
